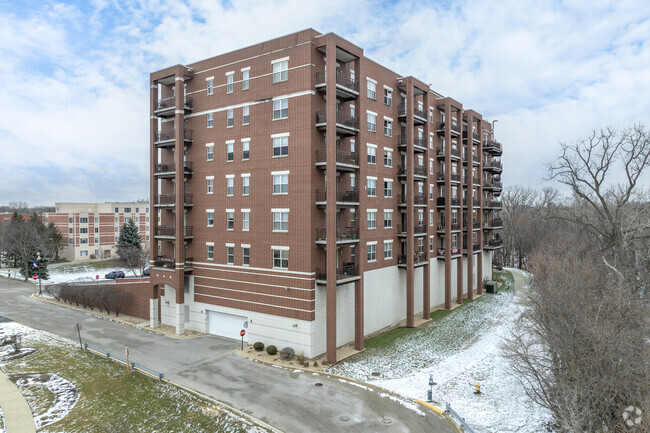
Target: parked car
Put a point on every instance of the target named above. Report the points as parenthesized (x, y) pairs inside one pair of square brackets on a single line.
[(146, 271), (115, 274)]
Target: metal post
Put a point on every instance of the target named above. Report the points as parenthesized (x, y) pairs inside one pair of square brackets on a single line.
[(128, 368), (79, 333)]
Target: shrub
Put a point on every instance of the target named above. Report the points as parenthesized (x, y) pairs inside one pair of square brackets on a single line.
[(271, 350), (301, 358), (287, 354), (259, 346), (315, 363)]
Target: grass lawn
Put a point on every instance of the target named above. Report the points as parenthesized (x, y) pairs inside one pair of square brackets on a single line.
[(83, 266), (505, 279), (112, 400)]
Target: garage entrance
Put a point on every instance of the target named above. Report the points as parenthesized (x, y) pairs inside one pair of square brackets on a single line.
[(226, 325)]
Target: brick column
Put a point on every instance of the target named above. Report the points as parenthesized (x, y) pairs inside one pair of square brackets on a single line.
[(153, 182), (469, 208), (459, 262), (410, 205), (179, 180), (426, 272), (359, 312), (447, 205)]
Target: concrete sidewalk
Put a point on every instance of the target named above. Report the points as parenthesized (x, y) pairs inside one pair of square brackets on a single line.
[(17, 414)]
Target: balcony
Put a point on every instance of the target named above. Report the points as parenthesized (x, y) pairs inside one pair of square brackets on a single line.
[(343, 198), (345, 274), (455, 177), (493, 165), (169, 200), (346, 88), (441, 253), (476, 248), (418, 230), (454, 202), (455, 226), (167, 107), (419, 116), (170, 263), (343, 236), (345, 124), (168, 169), (166, 138), (492, 147), (476, 160), (419, 143), (493, 244), (418, 200), (419, 259), (169, 232), (455, 129), (493, 224), (492, 204), (345, 161)]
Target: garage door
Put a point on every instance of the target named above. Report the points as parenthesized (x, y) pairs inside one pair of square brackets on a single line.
[(226, 325)]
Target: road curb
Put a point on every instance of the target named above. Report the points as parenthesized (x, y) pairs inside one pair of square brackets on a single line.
[(442, 413)]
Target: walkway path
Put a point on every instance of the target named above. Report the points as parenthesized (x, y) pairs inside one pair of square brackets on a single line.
[(17, 414)]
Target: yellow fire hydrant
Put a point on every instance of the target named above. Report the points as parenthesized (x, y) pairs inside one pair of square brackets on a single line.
[(478, 388)]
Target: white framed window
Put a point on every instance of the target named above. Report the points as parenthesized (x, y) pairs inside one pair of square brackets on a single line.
[(280, 220), (230, 82), (353, 182), (388, 188), (246, 219), (230, 219), (372, 251), (209, 84), (83, 230), (371, 186), (420, 216), (280, 257), (210, 117), (353, 112), (210, 150), (431, 218), (245, 115), (280, 70), (431, 164), (388, 96), (372, 219), (280, 109), (230, 255), (230, 118), (388, 218), (388, 157), (388, 127), (280, 144), (245, 145), (353, 144), (230, 185), (421, 245), (245, 77), (430, 114), (372, 121), (83, 240), (230, 150), (388, 250), (371, 88), (246, 255), (280, 183), (83, 253), (210, 215), (431, 244), (431, 188), (210, 182), (431, 140), (245, 180), (371, 151)]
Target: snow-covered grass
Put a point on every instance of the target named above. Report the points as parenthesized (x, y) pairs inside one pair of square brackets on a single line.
[(82, 273), (73, 391), (458, 350)]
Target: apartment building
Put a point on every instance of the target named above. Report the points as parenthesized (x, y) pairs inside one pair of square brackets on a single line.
[(313, 196), (91, 230)]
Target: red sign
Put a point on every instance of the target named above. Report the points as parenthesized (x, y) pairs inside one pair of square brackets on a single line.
[(35, 277), (97, 277), (243, 332)]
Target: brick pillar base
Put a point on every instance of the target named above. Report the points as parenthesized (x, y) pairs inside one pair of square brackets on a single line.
[(153, 313), (180, 319)]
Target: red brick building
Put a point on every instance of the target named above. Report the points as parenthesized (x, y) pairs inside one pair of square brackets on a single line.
[(314, 195)]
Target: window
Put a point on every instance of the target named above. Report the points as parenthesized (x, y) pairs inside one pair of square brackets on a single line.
[(431, 218), (230, 118), (281, 258), (372, 154), (431, 114), (83, 253), (245, 115), (230, 150), (210, 85), (388, 218), (388, 188), (245, 77), (280, 71), (372, 89), (71, 241), (83, 240), (372, 122), (388, 250), (431, 191), (421, 245), (353, 144), (210, 185), (388, 157), (210, 149), (353, 182), (210, 121), (280, 221), (117, 209), (245, 144), (388, 97), (431, 166), (431, 243), (280, 183), (96, 229), (246, 218), (71, 219), (246, 257), (230, 220), (83, 230), (281, 146), (372, 252), (210, 252), (117, 229), (230, 185), (96, 240), (352, 111), (280, 109), (420, 216), (210, 219), (70, 230), (230, 255), (372, 220), (230, 80), (245, 180), (352, 75), (372, 187), (431, 140), (388, 127)]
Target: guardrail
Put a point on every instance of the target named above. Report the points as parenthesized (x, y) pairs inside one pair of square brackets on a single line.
[(132, 365), (460, 419)]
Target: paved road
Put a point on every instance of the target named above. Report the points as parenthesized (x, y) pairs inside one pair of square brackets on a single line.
[(288, 401)]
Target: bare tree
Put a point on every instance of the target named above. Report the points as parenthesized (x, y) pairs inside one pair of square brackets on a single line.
[(518, 223)]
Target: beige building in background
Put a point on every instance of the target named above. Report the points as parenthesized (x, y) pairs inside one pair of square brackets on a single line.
[(91, 230)]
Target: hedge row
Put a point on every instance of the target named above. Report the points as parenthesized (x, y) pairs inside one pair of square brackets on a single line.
[(105, 298)]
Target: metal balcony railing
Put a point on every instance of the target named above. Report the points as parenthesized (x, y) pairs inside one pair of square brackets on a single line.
[(171, 231), (167, 199), (341, 79), (341, 196), (171, 103), (343, 272), (341, 119), (170, 167), (344, 234), (342, 157)]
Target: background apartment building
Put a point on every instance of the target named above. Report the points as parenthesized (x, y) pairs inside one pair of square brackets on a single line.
[(314, 196), (91, 230)]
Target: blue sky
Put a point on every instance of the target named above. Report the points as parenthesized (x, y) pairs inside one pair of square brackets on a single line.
[(74, 124)]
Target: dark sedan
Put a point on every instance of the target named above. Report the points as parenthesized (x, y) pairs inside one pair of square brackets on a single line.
[(115, 274)]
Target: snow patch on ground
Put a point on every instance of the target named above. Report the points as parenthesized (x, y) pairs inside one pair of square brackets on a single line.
[(66, 395), (358, 385), (458, 351), (85, 274), (2, 422), (405, 403)]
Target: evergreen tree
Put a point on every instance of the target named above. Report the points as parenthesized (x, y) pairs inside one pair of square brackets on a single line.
[(129, 247)]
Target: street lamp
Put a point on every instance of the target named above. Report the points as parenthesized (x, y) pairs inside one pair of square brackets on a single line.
[(38, 266)]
